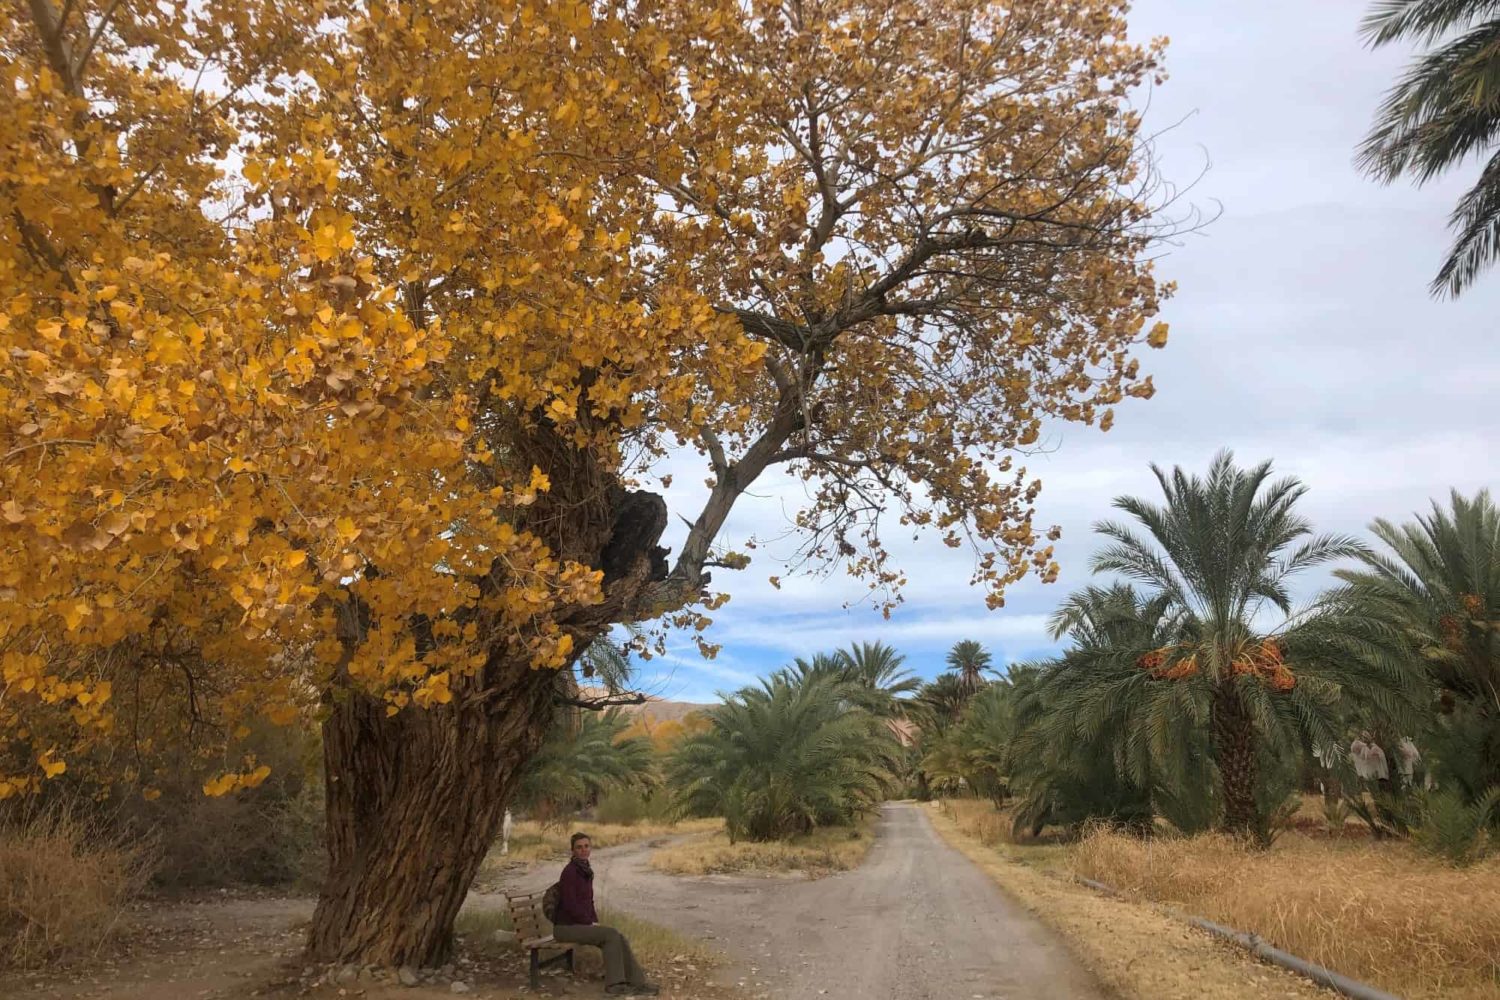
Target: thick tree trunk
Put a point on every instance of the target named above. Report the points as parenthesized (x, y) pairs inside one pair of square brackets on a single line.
[(414, 802), (1234, 754)]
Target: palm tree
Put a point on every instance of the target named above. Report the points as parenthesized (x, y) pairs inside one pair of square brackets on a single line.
[(980, 751), (605, 663), (1104, 739), (581, 761), (940, 702), (785, 757), (873, 672), (878, 671), (1440, 584), (969, 660), (1216, 559), (822, 665), (1443, 110)]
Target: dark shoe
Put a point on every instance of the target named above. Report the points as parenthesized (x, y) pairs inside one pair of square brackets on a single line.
[(647, 989), (619, 990)]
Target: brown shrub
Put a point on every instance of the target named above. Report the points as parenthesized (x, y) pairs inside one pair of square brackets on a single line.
[(63, 888)]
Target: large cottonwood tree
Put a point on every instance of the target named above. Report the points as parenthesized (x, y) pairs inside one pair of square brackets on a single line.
[(337, 340)]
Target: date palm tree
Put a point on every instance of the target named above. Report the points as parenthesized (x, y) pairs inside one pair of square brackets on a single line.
[(969, 660), (940, 702), (1105, 740), (1445, 109), (1440, 584), (1225, 654), (581, 761), (881, 670), (873, 672)]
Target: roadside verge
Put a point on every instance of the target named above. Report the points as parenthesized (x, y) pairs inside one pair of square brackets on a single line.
[(1137, 951)]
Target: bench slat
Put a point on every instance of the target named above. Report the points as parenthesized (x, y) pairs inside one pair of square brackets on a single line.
[(532, 928)]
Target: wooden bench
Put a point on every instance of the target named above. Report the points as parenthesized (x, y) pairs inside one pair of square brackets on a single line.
[(534, 932)]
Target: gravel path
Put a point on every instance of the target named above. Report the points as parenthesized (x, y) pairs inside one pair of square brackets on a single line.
[(916, 921)]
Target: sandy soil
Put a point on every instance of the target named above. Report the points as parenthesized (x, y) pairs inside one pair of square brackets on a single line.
[(917, 920), (218, 946)]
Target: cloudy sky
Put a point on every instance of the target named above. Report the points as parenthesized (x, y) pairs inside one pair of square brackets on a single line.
[(1302, 333)]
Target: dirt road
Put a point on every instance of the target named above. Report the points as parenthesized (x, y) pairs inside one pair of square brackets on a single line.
[(916, 921)]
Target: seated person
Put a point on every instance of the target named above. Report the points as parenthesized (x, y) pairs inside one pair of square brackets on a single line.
[(576, 922)]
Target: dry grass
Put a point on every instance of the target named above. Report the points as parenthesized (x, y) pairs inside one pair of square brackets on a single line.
[(1136, 951), (63, 889), (533, 841), (657, 946), (980, 820), (1379, 912), (822, 852)]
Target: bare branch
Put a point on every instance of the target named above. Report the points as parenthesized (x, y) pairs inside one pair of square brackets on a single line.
[(49, 25), (715, 451), (599, 704), (99, 29)]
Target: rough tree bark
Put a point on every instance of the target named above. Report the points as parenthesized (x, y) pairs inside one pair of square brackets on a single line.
[(414, 802), (1234, 753)]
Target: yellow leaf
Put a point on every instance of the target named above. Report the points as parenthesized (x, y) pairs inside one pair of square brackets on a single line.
[(295, 558), (1158, 335), (74, 614), (283, 715), (219, 786), (151, 794)]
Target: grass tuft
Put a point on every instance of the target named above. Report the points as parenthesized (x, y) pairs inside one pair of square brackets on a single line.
[(821, 852)]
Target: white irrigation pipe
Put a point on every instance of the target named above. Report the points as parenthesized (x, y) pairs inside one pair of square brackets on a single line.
[(1256, 946)]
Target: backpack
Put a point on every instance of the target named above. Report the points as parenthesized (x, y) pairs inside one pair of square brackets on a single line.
[(550, 899)]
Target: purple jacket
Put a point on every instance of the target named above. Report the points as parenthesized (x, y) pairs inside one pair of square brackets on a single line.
[(575, 904)]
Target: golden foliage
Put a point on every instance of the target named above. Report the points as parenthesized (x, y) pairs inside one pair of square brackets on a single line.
[(318, 320), (665, 734)]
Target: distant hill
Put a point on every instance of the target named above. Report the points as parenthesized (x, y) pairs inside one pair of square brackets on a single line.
[(666, 711), (657, 709)]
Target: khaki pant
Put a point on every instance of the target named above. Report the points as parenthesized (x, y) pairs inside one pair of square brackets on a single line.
[(620, 965)]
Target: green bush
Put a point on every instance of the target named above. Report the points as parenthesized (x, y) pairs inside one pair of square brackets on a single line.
[(628, 806), (1455, 829)]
